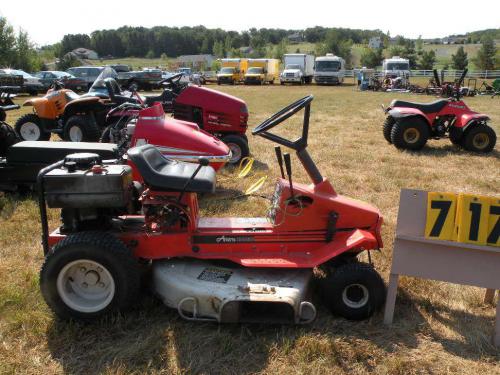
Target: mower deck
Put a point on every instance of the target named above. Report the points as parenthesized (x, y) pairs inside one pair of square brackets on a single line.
[(202, 290)]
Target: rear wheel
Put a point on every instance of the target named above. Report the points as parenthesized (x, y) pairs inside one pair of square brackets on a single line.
[(354, 291), (480, 138), (410, 133), (238, 146), (81, 129), (89, 274), (29, 128), (388, 124)]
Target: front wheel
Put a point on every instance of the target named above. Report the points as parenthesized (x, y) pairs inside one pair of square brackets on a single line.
[(89, 274), (81, 129), (29, 128), (410, 133), (238, 146), (354, 291), (387, 128), (480, 138)]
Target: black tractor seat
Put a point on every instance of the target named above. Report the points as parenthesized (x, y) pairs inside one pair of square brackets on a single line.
[(433, 107), (165, 174), (46, 152), (165, 97)]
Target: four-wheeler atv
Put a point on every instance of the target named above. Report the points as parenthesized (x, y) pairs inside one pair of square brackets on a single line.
[(64, 112), (215, 269), (409, 125)]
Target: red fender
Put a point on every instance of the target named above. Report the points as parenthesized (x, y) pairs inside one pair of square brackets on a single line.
[(466, 119)]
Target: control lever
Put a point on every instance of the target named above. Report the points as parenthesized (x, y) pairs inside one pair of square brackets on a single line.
[(277, 149), (202, 163), (288, 165)]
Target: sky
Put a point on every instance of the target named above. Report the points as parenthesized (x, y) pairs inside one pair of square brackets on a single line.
[(47, 21)]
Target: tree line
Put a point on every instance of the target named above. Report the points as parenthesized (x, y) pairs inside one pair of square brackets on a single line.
[(173, 41)]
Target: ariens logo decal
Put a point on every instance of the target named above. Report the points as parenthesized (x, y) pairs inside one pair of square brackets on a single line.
[(222, 239), (226, 239)]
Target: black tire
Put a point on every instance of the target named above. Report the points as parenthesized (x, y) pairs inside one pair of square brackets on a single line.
[(107, 252), (354, 291), (218, 82), (456, 136), (410, 133), (88, 129), (387, 128), (479, 138), (105, 135), (38, 134), (239, 147), (8, 137)]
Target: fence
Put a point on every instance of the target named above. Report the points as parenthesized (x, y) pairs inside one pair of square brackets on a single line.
[(486, 74)]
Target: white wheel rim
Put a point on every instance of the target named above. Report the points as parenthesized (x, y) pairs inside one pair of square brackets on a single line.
[(75, 134), (235, 152), (85, 286), (30, 131), (355, 295)]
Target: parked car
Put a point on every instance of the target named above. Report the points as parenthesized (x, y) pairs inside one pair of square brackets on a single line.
[(47, 78), (84, 75), (146, 79), (31, 85)]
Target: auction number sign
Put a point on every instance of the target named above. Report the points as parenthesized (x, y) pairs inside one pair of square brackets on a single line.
[(466, 218)]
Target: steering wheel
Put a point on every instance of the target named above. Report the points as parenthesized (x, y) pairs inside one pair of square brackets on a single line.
[(282, 115), (172, 80)]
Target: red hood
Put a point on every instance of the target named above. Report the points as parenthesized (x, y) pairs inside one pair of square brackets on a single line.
[(179, 140), (211, 100)]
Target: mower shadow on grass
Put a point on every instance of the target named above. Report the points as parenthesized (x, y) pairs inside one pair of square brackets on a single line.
[(154, 338)]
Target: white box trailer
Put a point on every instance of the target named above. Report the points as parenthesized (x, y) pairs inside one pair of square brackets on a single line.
[(329, 70), (396, 67), (299, 68)]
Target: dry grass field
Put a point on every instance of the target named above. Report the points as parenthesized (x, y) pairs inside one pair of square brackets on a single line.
[(439, 328)]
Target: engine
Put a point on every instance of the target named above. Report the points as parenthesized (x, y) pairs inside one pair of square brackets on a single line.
[(89, 193)]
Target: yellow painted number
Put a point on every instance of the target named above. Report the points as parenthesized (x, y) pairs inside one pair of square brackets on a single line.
[(493, 238), (440, 221), (472, 218)]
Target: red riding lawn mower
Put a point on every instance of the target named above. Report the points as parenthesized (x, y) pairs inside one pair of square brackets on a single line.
[(217, 113), (409, 125), (210, 269)]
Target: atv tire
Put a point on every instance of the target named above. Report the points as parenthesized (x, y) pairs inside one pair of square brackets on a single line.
[(354, 291), (238, 146), (29, 128), (456, 136), (81, 129), (410, 133), (479, 138), (88, 275), (388, 124)]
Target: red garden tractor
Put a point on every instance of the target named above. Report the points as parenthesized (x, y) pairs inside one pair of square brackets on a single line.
[(409, 125), (220, 114), (209, 269)]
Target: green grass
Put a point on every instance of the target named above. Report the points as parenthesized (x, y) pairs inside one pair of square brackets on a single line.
[(439, 328)]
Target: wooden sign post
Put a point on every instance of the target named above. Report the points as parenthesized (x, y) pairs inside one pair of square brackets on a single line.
[(444, 260)]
